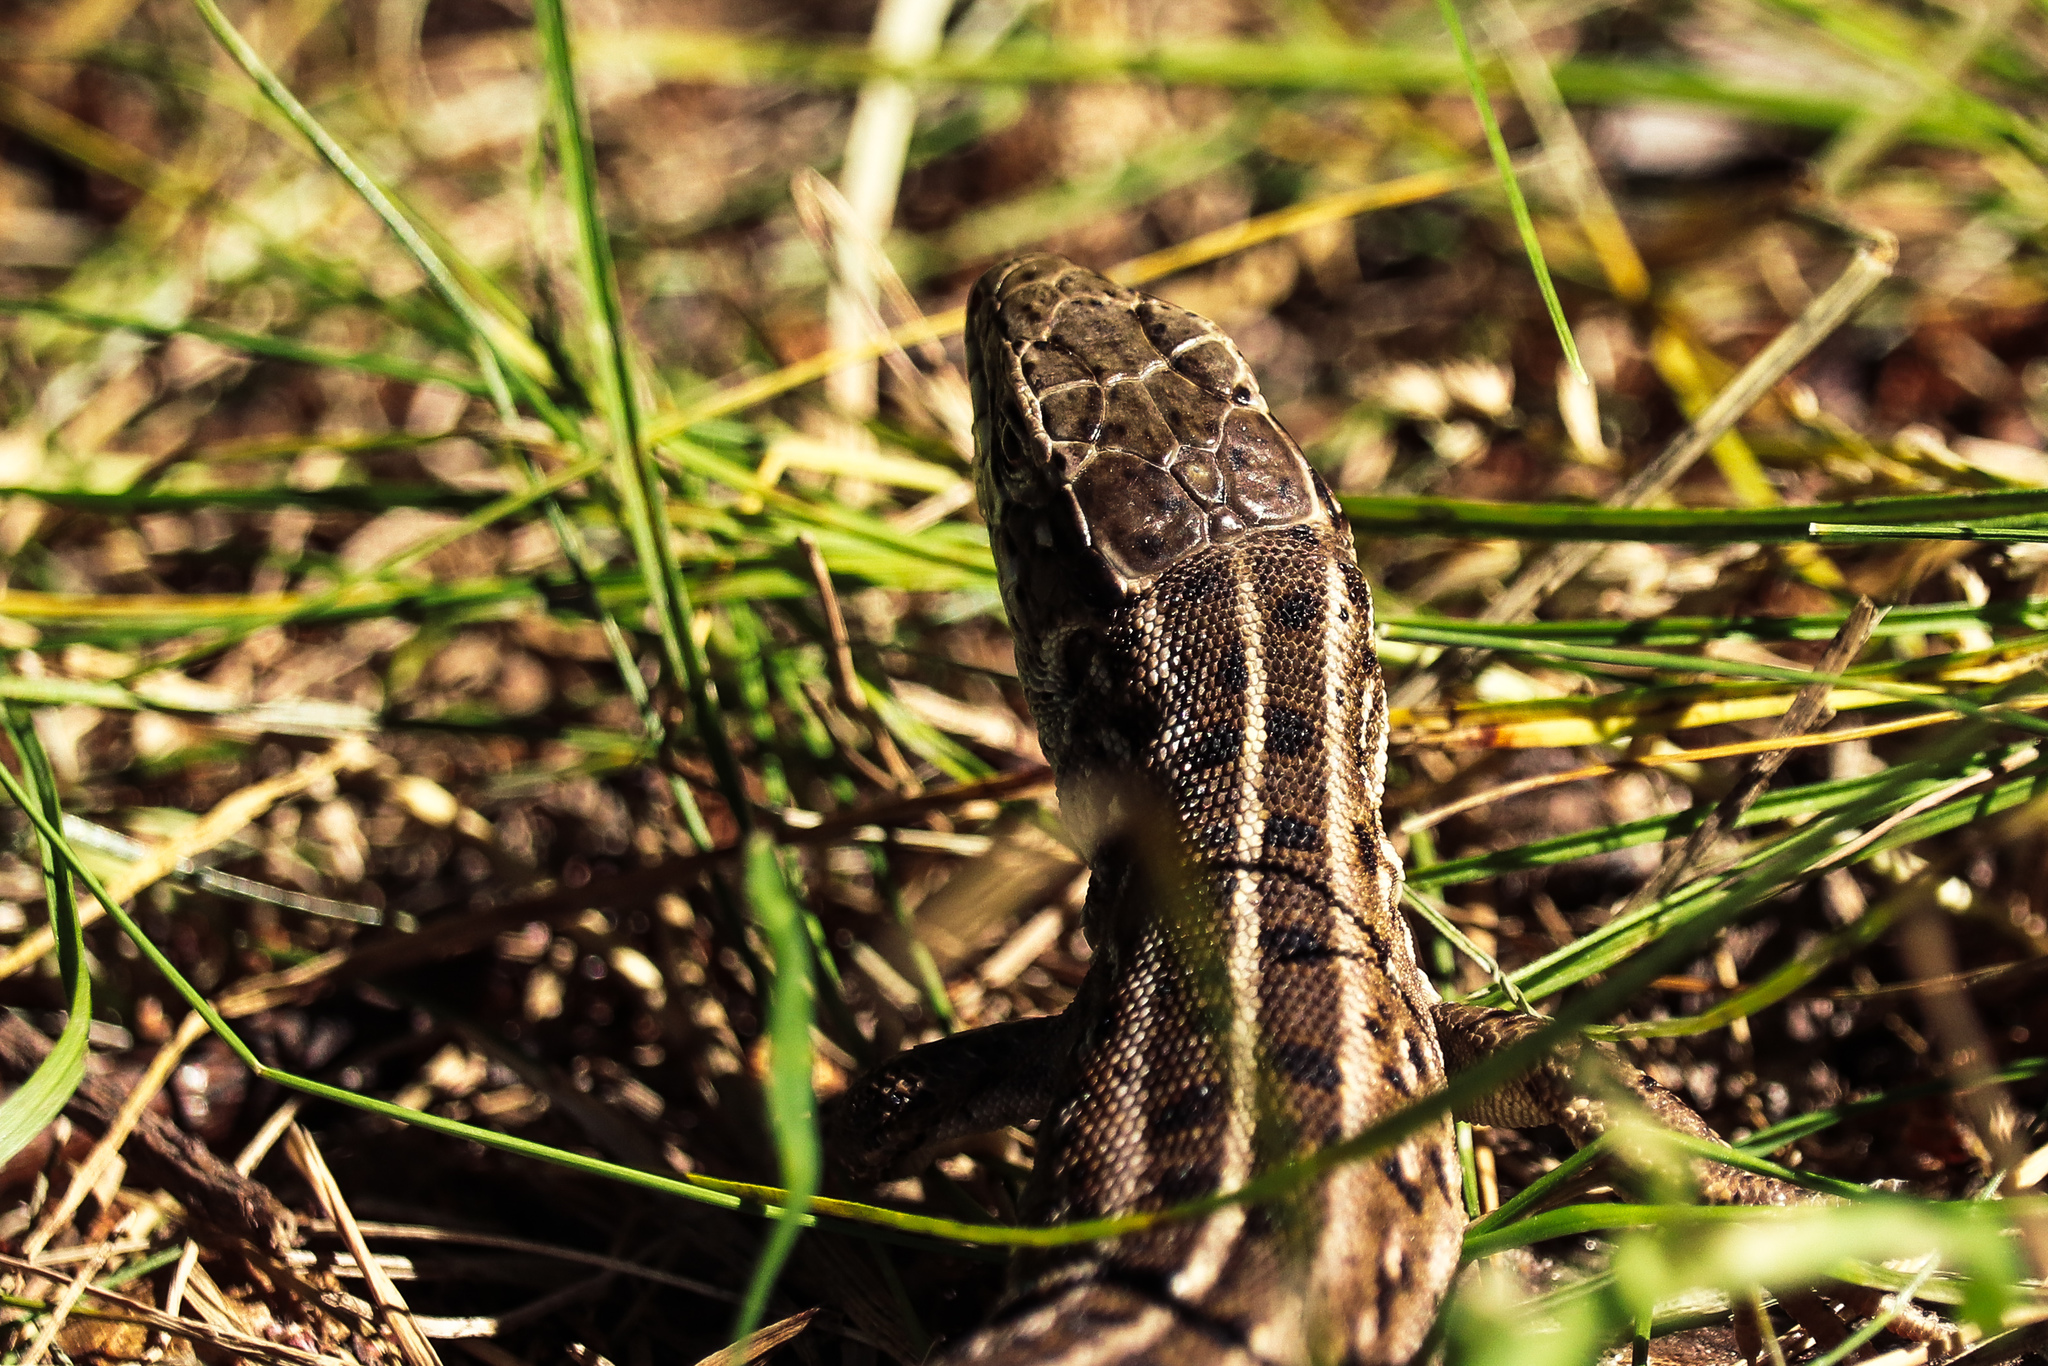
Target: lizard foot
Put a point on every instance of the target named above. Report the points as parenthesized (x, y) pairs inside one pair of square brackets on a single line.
[(1826, 1315)]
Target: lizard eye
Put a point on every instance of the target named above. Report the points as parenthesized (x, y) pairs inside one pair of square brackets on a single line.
[(1011, 464)]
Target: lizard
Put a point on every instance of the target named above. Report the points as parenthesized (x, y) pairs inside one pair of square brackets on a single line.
[(1195, 642)]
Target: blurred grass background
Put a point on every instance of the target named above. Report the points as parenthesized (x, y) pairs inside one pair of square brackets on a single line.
[(470, 558)]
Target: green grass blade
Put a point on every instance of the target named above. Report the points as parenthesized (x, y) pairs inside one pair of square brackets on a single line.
[(1986, 1222), (792, 1109), (1616, 942), (1930, 531), (1353, 68), (1602, 999), (254, 343), (1517, 206), (378, 497), (576, 158), (1874, 1325), (1933, 618), (39, 1099), (751, 572), (1789, 977), (1789, 804), (1372, 514), (1539, 1190), (642, 494), (489, 337), (1649, 659), (1441, 923), (350, 587)]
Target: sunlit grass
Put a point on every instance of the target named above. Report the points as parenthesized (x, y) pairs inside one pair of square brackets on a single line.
[(673, 503)]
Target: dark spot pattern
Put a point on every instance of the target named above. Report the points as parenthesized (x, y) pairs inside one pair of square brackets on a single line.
[(1194, 1107), (1241, 569), (1213, 748), (1289, 734), (1293, 944), (1231, 674), (1078, 653), (1291, 832), (1447, 1182), (1397, 1080), (1134, 720), (1412, 1193), (1307, 1064), (1368, 930), (1387, 1294), (1297, 610), (1202, 582)]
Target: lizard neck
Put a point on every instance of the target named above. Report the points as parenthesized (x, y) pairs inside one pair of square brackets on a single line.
[(1220, 743)]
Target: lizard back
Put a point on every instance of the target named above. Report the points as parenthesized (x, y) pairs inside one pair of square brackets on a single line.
[(1195, 641)]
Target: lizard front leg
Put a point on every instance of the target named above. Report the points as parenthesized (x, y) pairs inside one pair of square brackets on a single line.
[(1553, 1092), (946, 1090)]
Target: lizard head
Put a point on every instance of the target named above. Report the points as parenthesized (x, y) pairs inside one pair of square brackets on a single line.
[(1117, 435)]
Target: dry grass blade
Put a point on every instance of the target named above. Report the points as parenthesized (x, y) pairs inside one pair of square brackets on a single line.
[(1024, 782), (1864, 140), (1569, 156), (60, 1309), (455, 1237), (253, 1152), (751, 393), (1944, 691), (412, 1344), (846, 681), (259, 1145), (240, 1345), (842, 239), (1927, 948), (1537, 580), (906, 33), (1423, 820), (159, 1153), (761, 1341), (394, 953), (1808, 710), (2016, 1345), (1848, 849), (1303, 217)]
